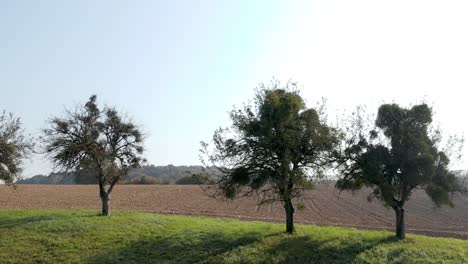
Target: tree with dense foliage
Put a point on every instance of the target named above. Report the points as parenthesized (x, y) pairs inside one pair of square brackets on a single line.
[(275, 147), (396, 157), (14, 147), (91, 139)]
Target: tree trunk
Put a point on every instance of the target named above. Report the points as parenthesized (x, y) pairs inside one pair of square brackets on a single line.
[(400, 222), (105, 205), (105, 197), (289, 216)]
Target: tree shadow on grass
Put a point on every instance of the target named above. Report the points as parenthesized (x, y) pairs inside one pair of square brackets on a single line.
[(211, 247), (47, 216), (304, 249), (12, 223), (179, 249)]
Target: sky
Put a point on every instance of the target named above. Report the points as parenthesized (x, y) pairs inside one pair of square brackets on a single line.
[(178, 67)]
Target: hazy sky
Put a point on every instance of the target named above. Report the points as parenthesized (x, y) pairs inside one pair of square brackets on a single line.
[(178, 67)]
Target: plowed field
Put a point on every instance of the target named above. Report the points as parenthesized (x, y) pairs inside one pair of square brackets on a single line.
[(323, 206)]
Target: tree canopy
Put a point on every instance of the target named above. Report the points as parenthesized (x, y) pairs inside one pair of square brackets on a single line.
[(396, 157), (275, 146)]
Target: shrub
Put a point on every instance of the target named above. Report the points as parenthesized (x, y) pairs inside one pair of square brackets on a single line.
[(144, 180), (196, 179)]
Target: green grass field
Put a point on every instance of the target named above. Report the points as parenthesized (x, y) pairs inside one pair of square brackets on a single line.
[(129, 237)]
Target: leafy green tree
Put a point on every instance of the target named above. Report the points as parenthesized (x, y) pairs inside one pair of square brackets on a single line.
[(396, 157), (89, 139), (274, 147), (14, 147)]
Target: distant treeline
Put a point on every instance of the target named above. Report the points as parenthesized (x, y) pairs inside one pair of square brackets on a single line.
[(151, 174)]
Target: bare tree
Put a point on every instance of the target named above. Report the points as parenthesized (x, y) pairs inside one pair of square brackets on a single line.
[(94, 140)]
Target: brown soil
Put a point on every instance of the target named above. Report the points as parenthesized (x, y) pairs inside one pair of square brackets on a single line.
[(322, 206)]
